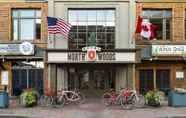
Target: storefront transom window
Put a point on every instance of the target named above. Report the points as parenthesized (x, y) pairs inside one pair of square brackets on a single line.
[(86, 23)]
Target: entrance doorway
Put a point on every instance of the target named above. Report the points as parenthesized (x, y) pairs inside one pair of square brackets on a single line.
[(92, 82), (26, 76), (146, 80)]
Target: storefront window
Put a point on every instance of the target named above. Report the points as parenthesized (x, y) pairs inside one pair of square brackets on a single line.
[(88, 21), (26, 24), (150, 79), (162, 19)]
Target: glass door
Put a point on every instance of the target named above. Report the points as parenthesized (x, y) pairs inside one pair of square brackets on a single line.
[(162, 80), (146, 81), (92, 82)]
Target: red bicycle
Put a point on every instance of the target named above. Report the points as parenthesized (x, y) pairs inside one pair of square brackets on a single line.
[(127, 98)]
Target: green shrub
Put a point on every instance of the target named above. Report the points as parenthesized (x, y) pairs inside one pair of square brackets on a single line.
[(154, 98), (29, 98)]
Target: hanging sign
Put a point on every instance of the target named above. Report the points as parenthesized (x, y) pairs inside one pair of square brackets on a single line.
[(168, 50), (25, 48)]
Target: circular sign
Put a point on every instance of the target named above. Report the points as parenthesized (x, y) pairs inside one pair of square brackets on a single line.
[(26, 48), (91, 55)]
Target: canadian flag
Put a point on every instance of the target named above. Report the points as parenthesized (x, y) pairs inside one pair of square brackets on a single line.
[(145, 28)]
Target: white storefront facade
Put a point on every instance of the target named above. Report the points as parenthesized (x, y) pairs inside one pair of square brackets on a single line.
[(100, 51)]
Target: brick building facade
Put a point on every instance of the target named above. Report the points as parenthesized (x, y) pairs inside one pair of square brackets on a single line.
[(21, 21), (163, 58)]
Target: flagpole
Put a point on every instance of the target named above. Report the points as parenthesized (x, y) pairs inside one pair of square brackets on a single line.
[(50, 41)]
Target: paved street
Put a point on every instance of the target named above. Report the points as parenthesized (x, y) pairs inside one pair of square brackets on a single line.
[(94, 109)]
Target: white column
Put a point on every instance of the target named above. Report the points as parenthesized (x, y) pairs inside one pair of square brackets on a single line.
[(51, 11), (132, 22)]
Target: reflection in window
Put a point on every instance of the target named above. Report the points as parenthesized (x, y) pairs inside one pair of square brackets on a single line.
[(87, 21), (162, 19), (26, 24)]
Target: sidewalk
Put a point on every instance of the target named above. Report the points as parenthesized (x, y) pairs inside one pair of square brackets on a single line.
[(94, 109)]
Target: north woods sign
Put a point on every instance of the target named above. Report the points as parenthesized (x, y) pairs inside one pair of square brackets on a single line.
[(81, 57), (100, 56)]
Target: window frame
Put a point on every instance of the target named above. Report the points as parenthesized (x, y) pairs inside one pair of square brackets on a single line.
[(164, 19), (19, 18), (105, 32)]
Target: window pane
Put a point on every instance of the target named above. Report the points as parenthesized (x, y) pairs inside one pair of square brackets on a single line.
[(15, 28), (110, 29), (38, 13), (100, 38), (100, 28), (152, 13), (159, 24), (73, 16), (156, 13), (38, 28), (82, 28), (82, 38), (27, 29), (92, 15), (101, 16), (82, 15), (110, 15), (73, 29), (92, 28), (92, 23), (27, 13), (82, 23), (110, 37), (167, 14), (110, 23), (15, 13)]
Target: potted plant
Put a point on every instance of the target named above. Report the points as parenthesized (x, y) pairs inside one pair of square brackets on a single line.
[(29, 98), (153, 98)]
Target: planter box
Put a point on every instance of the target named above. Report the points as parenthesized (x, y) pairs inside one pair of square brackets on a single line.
[(176, 99)]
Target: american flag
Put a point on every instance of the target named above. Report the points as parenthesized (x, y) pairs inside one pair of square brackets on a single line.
[(58, 26)]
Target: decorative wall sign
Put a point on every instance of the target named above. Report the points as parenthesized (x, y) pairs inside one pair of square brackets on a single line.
[(169, 50), (4, 77), (179, 75), (101, 57), (25, 48)]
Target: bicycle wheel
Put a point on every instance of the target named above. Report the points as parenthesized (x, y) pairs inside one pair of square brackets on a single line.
[(61, 101), (107, 100), (141, 101), (49, 100), (41, 101), (81, 98), (128, 103)]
